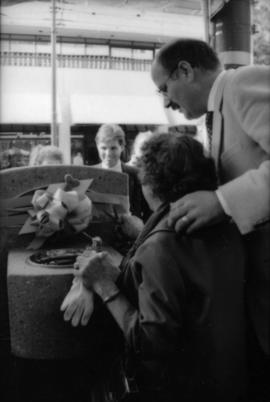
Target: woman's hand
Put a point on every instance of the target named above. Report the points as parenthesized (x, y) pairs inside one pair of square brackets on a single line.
[(98, 272)]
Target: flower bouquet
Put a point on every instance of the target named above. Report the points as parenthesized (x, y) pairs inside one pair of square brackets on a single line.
[(60, 206)]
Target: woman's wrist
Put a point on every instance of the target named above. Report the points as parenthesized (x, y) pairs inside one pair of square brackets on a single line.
[(111, 296), (106, 290)]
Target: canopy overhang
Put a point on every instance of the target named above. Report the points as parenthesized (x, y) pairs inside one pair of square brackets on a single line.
[(24, 108), (121, 109)]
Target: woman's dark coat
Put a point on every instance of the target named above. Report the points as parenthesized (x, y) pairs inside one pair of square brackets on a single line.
[(185, 330)]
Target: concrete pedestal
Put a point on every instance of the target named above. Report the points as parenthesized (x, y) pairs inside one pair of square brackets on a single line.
[(37, 328)]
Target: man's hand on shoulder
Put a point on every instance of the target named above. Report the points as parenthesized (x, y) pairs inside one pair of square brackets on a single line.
[(195, 210)]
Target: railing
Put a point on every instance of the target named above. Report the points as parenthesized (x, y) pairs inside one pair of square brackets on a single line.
[(26, 59)]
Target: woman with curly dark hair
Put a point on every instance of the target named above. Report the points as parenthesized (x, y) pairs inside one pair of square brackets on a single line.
[(178, 298)]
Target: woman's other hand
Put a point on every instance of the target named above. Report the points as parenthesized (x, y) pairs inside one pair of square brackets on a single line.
[(97, 271), (78, 305)]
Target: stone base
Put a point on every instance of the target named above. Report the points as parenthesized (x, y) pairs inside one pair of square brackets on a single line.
[(37, 327)]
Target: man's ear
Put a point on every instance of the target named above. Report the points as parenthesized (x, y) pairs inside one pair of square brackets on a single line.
[(184, 69)]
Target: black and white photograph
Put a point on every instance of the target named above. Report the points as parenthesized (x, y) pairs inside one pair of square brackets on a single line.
[(135, 200)]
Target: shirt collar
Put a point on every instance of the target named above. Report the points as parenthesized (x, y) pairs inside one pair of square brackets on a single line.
[(115, 168), (213, 91)]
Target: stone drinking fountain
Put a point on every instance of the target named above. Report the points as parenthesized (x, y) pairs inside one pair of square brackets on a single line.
[(38, 280)]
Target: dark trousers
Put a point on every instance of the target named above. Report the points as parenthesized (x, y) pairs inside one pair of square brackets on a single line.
[(258, 370), (258, 308)]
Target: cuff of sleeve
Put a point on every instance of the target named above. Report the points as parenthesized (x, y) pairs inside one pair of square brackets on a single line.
[(223, 202), (111, 297)]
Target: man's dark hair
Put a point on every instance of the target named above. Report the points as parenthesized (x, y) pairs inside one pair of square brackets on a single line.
[(175, 165), (196, 52)]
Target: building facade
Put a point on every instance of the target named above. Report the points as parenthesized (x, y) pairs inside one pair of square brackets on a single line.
[(102, 58)]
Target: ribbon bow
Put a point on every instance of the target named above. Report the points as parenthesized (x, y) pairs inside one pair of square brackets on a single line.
[(61, 204)]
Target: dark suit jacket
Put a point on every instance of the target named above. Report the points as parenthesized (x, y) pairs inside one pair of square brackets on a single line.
[(185, 332), (138, 205)]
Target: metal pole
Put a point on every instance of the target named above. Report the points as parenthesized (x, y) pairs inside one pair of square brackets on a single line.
[(206, 19), (232, 33), (54, 133)]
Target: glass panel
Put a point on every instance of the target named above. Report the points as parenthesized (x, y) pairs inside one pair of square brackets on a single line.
[(77, 151), (121, 52), (142, 54), (72, 48), (22, 46), (97, 50), (5, 45), (43, 47)]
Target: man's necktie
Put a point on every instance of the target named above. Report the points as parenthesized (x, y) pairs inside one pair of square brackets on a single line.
[(209, 128)]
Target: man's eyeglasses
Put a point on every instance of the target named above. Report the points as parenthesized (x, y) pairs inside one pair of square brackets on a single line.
[(164, 88)]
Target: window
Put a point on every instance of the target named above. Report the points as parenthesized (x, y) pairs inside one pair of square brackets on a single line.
[(97, 50), (121, 52), (21, 46)]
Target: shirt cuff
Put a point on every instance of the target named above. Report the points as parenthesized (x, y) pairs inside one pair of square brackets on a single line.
[(223, 203)]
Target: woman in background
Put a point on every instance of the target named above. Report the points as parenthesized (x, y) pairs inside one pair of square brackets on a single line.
[(42, 155), (136, 147)]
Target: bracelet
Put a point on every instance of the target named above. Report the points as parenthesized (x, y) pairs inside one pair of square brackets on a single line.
[(111, 297)]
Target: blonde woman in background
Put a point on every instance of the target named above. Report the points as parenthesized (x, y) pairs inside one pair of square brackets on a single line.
[(42, 155)]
